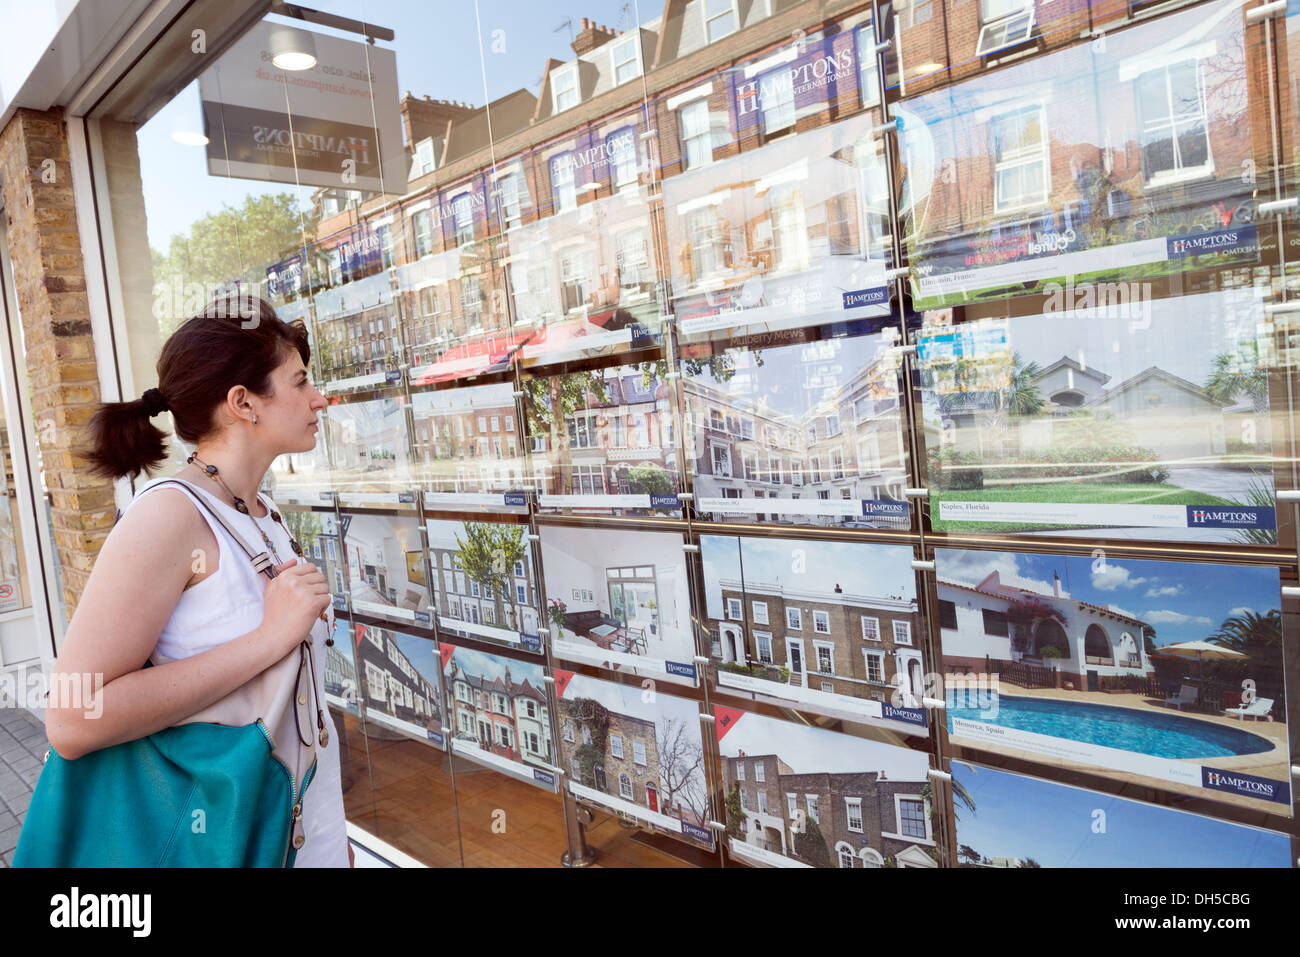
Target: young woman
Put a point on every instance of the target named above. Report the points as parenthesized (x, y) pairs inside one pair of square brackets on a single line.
[(169, 579)]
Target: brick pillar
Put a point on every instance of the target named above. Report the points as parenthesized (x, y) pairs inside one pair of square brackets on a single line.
[(50, 286)]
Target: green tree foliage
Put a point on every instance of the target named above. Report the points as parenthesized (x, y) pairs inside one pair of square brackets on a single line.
[(1259, 638), (488, 553), (650, 479), (810, 845), (305, 526), (1239, 373), (735, 813)]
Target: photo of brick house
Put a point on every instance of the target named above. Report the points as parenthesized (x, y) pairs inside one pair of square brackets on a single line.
[(806, 794), (846, 625), (499, 704), (602, 432), (647, 753), (341, 683), (483, 575), (814, 422), (465, 440), (393, 684)]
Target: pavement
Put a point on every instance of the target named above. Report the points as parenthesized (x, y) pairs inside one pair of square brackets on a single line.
[(22, 749)]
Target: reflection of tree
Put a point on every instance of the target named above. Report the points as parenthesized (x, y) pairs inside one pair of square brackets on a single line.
[(735, 814), (1259, 638), (304, 526), (649, 479), (548, 402), (681, 759), (1237, 374)]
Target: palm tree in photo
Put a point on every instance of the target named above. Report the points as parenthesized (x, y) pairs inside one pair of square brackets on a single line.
[(1259, 638), (1018, 398), (1239, 373)]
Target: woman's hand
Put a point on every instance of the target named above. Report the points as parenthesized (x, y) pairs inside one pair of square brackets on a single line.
[(294, 599)]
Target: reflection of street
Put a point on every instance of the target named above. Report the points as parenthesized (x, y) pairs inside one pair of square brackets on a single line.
[(1224, 483)]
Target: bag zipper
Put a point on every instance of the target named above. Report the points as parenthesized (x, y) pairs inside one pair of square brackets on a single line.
[(295, 814)]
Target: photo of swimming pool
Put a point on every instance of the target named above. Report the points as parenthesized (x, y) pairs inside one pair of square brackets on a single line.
[(1159, 735)]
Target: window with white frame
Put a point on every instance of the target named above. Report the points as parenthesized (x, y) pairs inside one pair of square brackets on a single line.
[(760, 612), (564, 188), (512, 190), (616, 745), (564, 87), (776, 100), (638, 753), (911, 818), (696, 128), (762, 801), (621, 154), (1174, 134), (568, 732), (720, 19), (794, 619), (1020, 172), (845, 854), (626, 55), (822, 622), (721, 456), (791, 805), (521, 594), (760, 772), (810, 800), (875, 661), (870, 628), (1004, 23), (902, 632), (734, 609), (763, 644), (424, 159), (462, 213), (853, 811), (705, 234), (422, 230), (867, 83), (624, 786), (740, 770), (868, 454)]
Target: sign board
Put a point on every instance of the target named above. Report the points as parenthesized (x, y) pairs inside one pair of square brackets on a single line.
[(262, 122)]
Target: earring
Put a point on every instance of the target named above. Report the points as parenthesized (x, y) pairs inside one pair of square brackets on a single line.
[(255, 418)]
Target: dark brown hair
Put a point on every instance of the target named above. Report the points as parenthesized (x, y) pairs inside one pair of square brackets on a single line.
[(233, 341)]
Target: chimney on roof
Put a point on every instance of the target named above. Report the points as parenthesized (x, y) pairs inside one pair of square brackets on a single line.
[(591, 36), (425, 117), (838, 589)]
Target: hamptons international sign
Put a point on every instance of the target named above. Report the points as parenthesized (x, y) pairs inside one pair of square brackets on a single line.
[(336, 124)]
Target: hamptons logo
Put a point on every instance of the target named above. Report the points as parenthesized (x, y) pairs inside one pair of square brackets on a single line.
[(880, 508), (875, 296), (1220, 241), (1200, 516), (1247, 785), (664, 501), (75, 909), (910, 715), (677, 668)]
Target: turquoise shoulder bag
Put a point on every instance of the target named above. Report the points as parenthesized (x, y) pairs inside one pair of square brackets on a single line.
[(212, 792)]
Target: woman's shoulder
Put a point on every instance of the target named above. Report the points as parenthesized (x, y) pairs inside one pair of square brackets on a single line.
[(162, 514)]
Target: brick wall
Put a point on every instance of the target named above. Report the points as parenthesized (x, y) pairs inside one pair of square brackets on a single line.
[(50, 286)]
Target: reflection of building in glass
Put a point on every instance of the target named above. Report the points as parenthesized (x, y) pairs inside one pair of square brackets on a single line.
[(832, 641), (369, 446), (506, 599), (1034, 637), (393, 685), (617, 440), (509, 718), (466, 440), (847, 446), (862, 818)]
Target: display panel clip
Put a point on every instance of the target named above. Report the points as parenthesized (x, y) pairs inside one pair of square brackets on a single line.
[(938, 775), (934, 703), (1265, 10), (923, 566), (1277, 206), (916, 493)]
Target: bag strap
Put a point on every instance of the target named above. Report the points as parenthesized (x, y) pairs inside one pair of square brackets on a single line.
[(261, 560)]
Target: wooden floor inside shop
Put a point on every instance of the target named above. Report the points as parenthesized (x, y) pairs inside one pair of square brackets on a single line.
[(401, 791)]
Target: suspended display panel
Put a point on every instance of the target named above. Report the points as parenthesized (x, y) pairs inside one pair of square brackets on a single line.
[(384, 557), (403, 688), (798, 796), (1011, 821), (1180, 687)]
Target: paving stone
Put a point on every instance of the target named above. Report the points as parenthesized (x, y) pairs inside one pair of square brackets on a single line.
[(18, 806), (9, 838)]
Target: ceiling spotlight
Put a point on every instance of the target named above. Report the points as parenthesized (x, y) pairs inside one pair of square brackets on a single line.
[(292, 49)]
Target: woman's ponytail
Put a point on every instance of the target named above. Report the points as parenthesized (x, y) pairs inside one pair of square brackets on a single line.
[(124, 441)]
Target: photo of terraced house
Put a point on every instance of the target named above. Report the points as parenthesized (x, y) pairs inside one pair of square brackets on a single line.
[(648, 753), (399, 675), (464, 440), (834, 617), (1186, 672), (816, 421), (341, 682), (318, 534), (483, 575), (1179, 416), (613, 433), (820, 798), (384, 557), (499, 704)]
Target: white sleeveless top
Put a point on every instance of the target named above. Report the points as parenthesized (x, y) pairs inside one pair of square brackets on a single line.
[(227, 604)]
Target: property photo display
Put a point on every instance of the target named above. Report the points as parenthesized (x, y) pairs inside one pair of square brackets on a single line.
[(499, 713), (640, 755), (830, 627), (1146, 420), (369, 452), (456, 321), (402, 686), (318, 534), (799, 796), (303, 478), (584, 278), (1011, 821), (619, 599), (342, 688), (483, 581), (1101, 164), (808, 433), (355, 337), (384, 559), (1165, 674), (604, 440), (466, 447), (787, 235)]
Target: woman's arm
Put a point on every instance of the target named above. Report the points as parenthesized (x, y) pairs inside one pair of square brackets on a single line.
[(136, 583)]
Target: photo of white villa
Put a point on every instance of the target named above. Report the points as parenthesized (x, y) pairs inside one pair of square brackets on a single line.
[(619, 591)]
